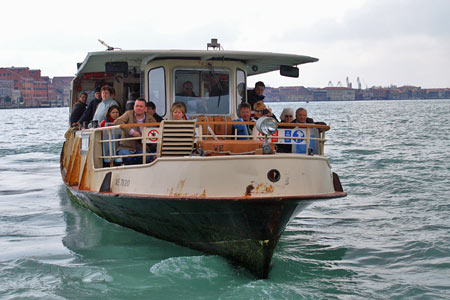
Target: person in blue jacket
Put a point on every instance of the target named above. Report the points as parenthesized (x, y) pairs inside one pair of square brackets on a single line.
[(245, 112)]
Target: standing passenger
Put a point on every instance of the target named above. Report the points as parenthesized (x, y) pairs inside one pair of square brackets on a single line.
[(78, 109), (256, 94), (90, 110), (107, 101)]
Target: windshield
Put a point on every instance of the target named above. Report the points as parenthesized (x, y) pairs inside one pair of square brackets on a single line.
[(204, 91)]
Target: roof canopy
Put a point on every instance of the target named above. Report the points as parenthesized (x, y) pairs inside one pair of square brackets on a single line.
[(257, 62)]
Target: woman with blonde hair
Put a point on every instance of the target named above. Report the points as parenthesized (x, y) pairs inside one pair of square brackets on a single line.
[(178, 111), (261, 110)]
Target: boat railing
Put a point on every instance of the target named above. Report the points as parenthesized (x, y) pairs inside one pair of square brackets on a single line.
[(210, 138)]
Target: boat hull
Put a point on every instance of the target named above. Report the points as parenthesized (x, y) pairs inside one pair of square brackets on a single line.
[(245, 231)]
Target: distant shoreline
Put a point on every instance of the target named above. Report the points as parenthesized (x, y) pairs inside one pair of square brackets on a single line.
[(280, 102)]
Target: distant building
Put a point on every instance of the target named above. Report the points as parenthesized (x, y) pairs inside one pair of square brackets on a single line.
[(30, 89), (340, 93)]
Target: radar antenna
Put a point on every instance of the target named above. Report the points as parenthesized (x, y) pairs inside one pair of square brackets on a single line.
[(108, 47)]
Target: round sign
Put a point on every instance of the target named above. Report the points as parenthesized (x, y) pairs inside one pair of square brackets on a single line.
[(154, 133)]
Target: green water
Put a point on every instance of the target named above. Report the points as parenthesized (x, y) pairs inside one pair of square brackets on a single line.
[(388, 239)]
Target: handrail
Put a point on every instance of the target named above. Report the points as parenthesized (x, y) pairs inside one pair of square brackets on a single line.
[(301, 125), (112, 143)]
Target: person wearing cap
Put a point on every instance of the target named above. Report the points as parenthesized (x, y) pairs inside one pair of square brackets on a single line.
[(256, 94), (88, 114)]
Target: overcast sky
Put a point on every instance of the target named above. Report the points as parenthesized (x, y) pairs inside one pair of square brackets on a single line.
[(383, 42)]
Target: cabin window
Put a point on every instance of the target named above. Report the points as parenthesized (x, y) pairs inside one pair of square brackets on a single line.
[(204, 91), (241, 88), (157, 89)]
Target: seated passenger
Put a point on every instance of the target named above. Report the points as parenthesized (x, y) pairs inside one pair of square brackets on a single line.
[(150, 108), (301, 116), (178, 111), (245, 116), (78, 109), (287, 115), (112, 114), (135, 116), (107, 101), (262, 111)]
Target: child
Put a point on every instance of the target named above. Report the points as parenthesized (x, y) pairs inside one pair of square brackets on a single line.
[(112, 114)]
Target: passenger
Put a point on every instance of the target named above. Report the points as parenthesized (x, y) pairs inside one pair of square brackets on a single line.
[(256, 94), (245, 116), (150, 108), (188, 90), (287, 115), (78, 109), (92, 106), (259, 108), (107, 100), (262, 111), (112, 114), (135, 116), (301, 116), (178, 111)]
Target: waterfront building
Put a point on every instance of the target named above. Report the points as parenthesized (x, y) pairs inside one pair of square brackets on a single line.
[(33, 89), (340, 93)]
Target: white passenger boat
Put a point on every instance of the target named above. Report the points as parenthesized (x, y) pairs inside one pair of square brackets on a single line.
[(206, 187)]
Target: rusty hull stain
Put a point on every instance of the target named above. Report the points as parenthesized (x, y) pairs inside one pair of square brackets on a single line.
[(264, 188), (249, 189), (181, 184), (75, 174)]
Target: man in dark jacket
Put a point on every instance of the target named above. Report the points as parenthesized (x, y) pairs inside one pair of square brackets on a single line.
[(151, 109), (256, 94), (78, 109), (301, 116), (88, 115)]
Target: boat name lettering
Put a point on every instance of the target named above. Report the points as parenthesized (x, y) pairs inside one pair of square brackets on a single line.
[(122, 182)]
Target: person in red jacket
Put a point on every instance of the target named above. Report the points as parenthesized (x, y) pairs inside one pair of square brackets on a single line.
[(112, 114)]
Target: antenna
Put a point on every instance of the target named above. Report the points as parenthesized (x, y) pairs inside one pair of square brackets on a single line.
[(108, 47), (214, 44)]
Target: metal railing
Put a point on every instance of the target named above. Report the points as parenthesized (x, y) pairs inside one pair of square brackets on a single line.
[(304, 139)]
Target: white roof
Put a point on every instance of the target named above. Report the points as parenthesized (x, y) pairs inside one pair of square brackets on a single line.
[(265, 61)]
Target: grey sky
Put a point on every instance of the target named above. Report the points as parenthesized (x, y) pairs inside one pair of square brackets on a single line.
[(383, 42)]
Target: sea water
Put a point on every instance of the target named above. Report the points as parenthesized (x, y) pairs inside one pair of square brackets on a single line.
[(388, 239)]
